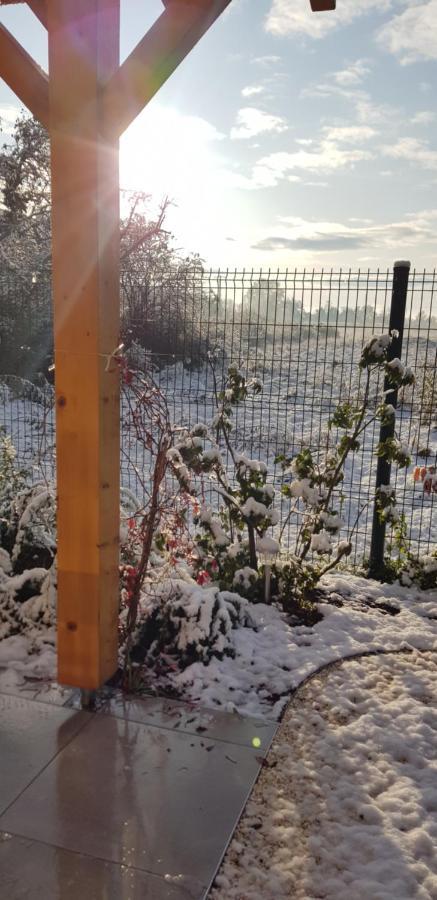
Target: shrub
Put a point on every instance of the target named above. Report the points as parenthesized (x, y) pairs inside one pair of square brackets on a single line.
[(420, 570), (188, 622), (315, 487), (226, 540)]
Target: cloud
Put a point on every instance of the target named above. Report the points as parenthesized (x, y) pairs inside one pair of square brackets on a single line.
[(272, 169), (296, 17), (412, 35), (268, 60), (349, 134), (251, 121), (302, 234), (337, 149), (252, 90), (312, 242), (366, 110), (424, 117), (8, 116), (413, 150), (355, 73)]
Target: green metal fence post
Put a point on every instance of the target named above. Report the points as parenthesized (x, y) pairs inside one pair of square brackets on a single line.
[(401, 271)]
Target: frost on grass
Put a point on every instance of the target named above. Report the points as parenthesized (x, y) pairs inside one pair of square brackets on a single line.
[(346, 808)]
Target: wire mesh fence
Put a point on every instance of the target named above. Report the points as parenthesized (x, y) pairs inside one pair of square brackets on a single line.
[(300, 332)]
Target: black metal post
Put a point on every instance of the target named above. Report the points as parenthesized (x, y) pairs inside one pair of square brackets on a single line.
[(401, 271)]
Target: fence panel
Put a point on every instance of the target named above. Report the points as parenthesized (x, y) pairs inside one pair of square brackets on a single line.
[(301, 332)]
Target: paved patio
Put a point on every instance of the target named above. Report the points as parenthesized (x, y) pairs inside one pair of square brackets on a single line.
[(136, 800)]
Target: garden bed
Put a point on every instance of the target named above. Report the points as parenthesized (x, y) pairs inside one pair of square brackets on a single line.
[(268, 654)]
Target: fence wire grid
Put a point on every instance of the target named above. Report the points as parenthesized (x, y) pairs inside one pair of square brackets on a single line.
[(300, 332)]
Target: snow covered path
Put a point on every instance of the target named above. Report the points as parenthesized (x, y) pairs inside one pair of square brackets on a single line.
[(346, 808)]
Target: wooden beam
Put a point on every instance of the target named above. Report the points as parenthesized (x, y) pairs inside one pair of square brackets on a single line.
[(25, 78), (39, 9), (322, 5), (204, 3), (155, 58), (83, 54)]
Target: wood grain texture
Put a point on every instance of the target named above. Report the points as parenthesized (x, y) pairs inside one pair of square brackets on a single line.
[(83, 52)]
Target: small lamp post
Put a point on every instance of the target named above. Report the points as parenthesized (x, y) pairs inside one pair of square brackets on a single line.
[(268, 550)]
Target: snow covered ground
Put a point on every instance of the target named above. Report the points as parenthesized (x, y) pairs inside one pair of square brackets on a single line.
[(346, 806), (274, 657), (273, 660)]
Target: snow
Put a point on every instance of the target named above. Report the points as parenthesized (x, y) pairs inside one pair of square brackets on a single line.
[(267, 546), (203, 617), (333, 522), (278, 420), (234, 549), (253, 465), (245, 577), (302, 488), (397, 366), (219, 536), (5, 562), (346, 806), (272, 656), (321, 542), (274, 659), (213, 456), (378, 345), (252, 509), (34, 657)]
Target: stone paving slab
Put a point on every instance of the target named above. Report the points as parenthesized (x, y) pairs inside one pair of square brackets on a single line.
[(175, 715), (34, 871), (108, 794), (31, 734)]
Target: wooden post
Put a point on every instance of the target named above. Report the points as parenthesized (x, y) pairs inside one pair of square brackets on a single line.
[(83, 54)]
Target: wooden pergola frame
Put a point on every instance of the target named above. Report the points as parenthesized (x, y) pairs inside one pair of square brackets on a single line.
[(86, 103)]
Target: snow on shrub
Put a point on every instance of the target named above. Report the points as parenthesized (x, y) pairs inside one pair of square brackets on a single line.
[(226, 539), (191, 623), (27, 602), (420, 570), (312, 480)]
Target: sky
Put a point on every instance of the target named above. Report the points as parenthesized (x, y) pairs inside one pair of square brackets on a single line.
[(288, 138)]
